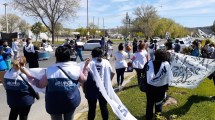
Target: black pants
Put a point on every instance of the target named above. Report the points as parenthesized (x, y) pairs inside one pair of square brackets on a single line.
[(22, 111), (103, 108), (139, 74), (120, 75), (155, 97)]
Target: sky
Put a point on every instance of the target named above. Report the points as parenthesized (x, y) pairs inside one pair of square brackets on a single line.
[(189, 13)]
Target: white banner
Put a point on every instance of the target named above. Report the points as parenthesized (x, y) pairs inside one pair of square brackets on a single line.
[(109, 94), (189, 71)]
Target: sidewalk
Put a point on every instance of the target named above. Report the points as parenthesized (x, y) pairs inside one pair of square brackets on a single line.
[(83, 107)]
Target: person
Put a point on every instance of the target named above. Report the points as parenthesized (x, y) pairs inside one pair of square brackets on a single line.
[(7, 54), (139, 60), (91, 91), (19, 95), (15, 48), (61, 82), (177, 47), (24, 42), (128, 49), (109, 49), (3, 65), (71, 46), (102, 43), (212, 76), (196, 49), (158, 74), (151, 49), (79, 48), (31, 54), (134, 44), (120, 64)]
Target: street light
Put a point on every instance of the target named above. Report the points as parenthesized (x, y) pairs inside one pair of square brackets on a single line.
[(6, 17)]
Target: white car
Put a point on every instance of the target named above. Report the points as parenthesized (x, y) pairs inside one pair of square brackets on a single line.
[(183, 44), (156, 38), (91, 44)]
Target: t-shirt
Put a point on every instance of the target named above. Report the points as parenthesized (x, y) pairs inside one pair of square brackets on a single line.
[(120, 59), (140, 59), (15, 46)]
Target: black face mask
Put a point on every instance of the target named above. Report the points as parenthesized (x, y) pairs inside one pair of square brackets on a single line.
[(4, 45)]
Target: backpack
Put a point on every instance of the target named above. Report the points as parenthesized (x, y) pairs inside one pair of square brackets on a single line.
[(143, 80)]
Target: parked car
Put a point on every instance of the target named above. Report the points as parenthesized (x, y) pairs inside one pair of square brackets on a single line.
[(91, 44), (156, 38)]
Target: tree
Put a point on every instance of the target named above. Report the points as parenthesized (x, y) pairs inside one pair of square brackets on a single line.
[(58, 29), (48, 11), (23, 27), (13, 22), (37, 28), (146, 18)]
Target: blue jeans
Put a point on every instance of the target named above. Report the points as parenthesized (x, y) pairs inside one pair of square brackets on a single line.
[(79, 53), (66, 116)]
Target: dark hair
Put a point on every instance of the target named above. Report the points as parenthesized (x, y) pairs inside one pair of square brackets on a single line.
[(78, 36), (97, 52), (28, 40), (161, 55), (120, 47), (62, 54), (168, 45)]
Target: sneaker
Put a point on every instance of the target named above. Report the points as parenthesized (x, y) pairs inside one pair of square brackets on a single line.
[(212, 98)]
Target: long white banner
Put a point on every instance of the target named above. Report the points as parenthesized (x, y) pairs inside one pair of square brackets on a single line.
[(189, 71)]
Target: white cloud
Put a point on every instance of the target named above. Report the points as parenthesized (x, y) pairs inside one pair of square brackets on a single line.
[(119, 0)]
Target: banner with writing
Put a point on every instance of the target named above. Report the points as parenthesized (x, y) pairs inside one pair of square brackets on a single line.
[(189, 71)]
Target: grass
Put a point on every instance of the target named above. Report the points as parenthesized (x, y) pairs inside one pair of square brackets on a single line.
[(193, 104)]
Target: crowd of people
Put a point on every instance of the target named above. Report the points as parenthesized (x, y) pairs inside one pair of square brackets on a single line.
[(63, 79)]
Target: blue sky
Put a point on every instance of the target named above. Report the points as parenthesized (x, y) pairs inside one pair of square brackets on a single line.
[(189, 13)]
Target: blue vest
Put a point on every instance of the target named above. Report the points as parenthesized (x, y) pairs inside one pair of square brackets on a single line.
[(62, 96), (18, 93)]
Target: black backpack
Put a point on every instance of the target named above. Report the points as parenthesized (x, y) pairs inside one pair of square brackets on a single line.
[(143, 80)]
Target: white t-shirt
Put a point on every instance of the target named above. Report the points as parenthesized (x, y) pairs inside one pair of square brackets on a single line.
[(140, 59), (120, 59), (15, 46)]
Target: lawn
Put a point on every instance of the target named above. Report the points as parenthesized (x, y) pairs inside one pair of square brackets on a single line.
[(193, 104)]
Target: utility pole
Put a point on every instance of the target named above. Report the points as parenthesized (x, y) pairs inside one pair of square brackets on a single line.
[(87, 22), (104, 26), (126, 22), (6, 17), (98, 22)]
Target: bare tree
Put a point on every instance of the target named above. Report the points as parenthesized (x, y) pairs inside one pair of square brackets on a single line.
[(13, 22), (48, 11), (146, 17)]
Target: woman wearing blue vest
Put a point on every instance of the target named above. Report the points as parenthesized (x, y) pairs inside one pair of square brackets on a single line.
[(62, 93), (19, 95)]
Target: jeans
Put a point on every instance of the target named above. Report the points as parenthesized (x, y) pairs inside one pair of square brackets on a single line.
[(65, 116), (79, 53), (92, 108), (22, 111), (120, 75), (15, 55)]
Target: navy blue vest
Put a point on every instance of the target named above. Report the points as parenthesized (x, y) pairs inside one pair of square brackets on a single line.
[(18, 93), (62, 96)]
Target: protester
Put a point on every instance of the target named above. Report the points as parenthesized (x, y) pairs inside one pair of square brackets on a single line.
[(7, 54), (102, 43), (15, 48), (3, 65), (79, 48), (211, 49), (134, 44), (212, 76), (62, 93), (151, 49), (128, 49), (139, 60), (177, 47), (19, 95), (24, 43), (31, 54), (92, 92), (158, 74), (120, 64), (73, 53), (196, 49), (109, 49)]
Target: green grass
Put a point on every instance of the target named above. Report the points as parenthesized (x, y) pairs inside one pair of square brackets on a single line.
[(193, 104)]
